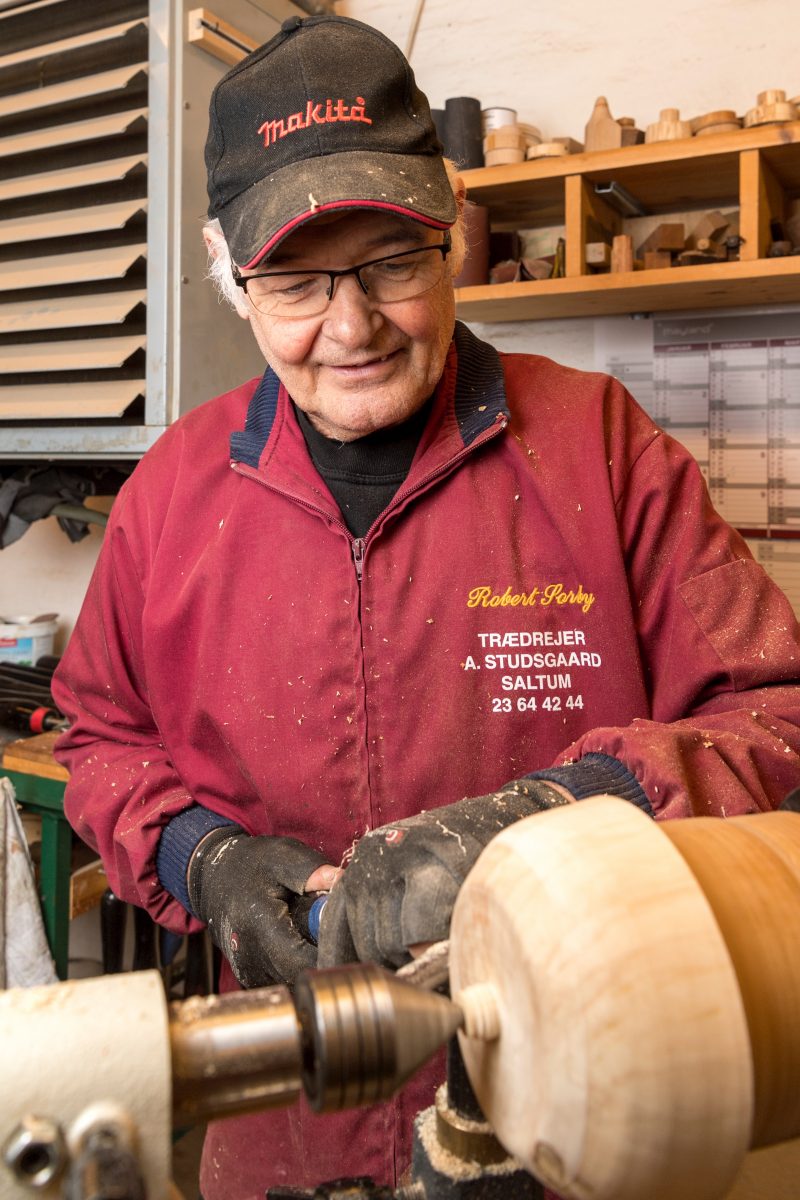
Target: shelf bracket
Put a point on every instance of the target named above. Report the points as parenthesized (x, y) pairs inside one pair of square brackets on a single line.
[(620, 198), (217, 37)]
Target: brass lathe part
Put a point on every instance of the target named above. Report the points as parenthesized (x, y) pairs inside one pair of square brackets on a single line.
[(350, 1036), (233, 1053), (365, 1033)]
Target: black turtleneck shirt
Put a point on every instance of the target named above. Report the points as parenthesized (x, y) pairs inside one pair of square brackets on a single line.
[(364, 475)]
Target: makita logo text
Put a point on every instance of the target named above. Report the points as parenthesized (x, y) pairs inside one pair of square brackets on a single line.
[(316, 113)]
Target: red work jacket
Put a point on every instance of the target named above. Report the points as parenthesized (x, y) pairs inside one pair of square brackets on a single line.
[(550, 580)]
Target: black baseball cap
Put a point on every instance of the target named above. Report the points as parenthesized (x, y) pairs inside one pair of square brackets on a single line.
[(327, 115)]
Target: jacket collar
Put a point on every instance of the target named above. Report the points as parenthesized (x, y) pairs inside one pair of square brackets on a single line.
[(478, 402)]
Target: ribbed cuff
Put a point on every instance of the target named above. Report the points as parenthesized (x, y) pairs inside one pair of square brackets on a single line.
[(177, 845), (596, 775)]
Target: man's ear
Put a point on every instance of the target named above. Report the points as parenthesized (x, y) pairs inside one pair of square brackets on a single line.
[(458, 231), (460, 193), (219, 257)]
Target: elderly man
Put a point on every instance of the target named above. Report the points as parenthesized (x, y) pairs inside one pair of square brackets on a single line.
[(398, 571)]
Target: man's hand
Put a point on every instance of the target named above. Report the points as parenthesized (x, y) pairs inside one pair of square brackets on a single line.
[(401, 885), (242, 887)]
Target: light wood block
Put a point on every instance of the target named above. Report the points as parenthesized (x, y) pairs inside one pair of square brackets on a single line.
[(572, 146), (656, 260), (669, 235), (34, 756), (86, 888), (621, 253), (712, 227), (216, 36), (598, 255)]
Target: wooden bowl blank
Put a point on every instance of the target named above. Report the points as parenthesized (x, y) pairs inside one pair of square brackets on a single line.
[(622, 1068)]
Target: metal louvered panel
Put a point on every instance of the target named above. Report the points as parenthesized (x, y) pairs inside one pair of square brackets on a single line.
[(70, 356), (49, 225), (70, 400), (65, 312), (108, 328), (93, 129), (85, 175), (107, 83), (111, 262), (71, 43), (73, 221)]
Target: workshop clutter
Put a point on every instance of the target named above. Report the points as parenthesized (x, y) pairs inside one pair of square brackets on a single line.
[(26, 701), (25, 639), (620, 231)]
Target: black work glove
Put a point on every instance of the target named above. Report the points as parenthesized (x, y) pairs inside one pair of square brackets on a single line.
[(242, 887), (401, 884), (791, 803)]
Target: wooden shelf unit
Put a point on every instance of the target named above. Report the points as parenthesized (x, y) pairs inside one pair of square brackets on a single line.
[(754, 170)]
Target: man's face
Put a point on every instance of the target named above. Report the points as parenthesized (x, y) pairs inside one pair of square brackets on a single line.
[(358, 366)]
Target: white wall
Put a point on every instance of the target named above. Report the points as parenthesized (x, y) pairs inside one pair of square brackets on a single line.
[(44, 572), (549, 62)]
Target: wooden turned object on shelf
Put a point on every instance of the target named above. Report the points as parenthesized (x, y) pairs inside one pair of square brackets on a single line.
[(669, 127), (722, 120), (602, 132), (547, 150), (771, 107), (631, 136), (530, 132), (631, 992), (504, 145)]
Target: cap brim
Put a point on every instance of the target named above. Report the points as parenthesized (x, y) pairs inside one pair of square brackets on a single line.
[(257, 220)]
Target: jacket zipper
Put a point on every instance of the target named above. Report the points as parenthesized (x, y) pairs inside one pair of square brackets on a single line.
[(501, 421), (358, 546)]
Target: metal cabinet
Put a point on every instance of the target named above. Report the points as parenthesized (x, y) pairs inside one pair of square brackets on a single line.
[(108, 328)]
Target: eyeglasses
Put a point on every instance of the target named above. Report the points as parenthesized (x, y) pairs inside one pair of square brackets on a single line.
[(386, 280)]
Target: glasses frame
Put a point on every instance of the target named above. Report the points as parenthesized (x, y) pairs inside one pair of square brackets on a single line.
[(444, 247)]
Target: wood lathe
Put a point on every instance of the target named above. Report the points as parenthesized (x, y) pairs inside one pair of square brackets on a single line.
[(625, 996)]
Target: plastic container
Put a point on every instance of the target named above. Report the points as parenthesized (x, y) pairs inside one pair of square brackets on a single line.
[(25, 639), (496, 118)]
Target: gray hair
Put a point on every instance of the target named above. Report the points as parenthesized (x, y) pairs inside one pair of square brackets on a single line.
[(220, 266), (220, 263)]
